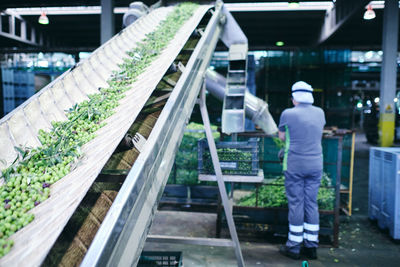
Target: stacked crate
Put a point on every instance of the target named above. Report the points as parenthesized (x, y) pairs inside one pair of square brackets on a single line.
[(384, 188), (16, 87), (7, 84), (24, 86)]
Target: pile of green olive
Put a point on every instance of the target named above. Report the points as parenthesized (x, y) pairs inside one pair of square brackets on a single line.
[(274, 195)]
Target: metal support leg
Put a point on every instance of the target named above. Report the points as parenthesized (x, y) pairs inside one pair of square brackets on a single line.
[(337, 192), (388, 72), (218, 173), (106, 20)]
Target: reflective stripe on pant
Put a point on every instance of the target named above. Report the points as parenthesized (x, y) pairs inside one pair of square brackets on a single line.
[(302, 191)]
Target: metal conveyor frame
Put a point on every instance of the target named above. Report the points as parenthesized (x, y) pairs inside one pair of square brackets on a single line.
[(123, 232)]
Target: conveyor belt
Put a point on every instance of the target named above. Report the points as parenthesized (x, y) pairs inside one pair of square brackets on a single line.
[(33, 242), (123, 232)]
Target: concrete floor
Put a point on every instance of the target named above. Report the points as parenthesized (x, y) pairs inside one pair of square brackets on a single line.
[(362, 243)]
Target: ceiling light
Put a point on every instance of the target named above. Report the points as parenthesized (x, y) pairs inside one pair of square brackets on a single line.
[(369, 54), (294, 4), (279, 43), (279, 6), (43, 19), (370, 13)]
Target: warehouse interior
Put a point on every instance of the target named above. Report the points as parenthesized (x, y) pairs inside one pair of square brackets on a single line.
[(120, 144)]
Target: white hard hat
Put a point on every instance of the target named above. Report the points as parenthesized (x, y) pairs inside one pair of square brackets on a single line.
[(302, 92)]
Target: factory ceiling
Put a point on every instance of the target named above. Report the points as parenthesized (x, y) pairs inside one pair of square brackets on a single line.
[(298, 29)]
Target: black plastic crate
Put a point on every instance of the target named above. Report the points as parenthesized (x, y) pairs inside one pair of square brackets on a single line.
[(160, 259), (236, 158)]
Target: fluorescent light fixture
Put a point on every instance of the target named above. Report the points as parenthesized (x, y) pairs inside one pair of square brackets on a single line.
[(279, 6), (43, 63), (294, 4), (369, 54), (76, 10), (43, 19), (370, 13), (280, 43)]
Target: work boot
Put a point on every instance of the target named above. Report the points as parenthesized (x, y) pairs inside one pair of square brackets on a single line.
[(284, 250), (310, 253)]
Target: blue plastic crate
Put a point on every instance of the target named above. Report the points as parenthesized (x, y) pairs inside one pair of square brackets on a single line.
[(22, 92), (8, 98), (24, 77), (384, 188), (7, 75)]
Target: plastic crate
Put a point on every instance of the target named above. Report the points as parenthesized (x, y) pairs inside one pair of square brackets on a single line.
[(7, 76), (236, 158), (384, 188), (22, 92), (160, 259), (8, 97)]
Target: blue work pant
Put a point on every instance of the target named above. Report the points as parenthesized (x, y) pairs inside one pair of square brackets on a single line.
[(302, 191)]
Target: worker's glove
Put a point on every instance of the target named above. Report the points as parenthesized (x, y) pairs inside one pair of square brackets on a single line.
[(281, 154)]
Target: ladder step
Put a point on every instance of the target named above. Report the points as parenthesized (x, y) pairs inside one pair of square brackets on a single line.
[(217, 242)]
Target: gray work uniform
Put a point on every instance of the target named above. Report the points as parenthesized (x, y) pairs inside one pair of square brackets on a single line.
[(303, 126)]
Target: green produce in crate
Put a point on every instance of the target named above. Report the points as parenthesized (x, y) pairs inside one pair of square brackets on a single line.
[(187, 177), (186, 157), (278, 142), (28, 179), (273, 195), (193, 133), (233, 161)]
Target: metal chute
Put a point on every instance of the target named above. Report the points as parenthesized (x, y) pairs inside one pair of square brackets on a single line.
[(256, 108)]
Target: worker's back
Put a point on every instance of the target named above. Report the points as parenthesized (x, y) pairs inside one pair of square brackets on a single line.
[(303, 125)]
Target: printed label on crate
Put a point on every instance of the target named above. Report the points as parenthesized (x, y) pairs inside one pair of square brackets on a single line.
[(226, 165)]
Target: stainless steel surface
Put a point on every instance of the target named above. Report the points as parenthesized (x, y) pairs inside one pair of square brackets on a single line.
[(232, 33), (123, 232), (191, 240), (233, 109), (259, 114), (139, 141), (256, 108), (235, 178)]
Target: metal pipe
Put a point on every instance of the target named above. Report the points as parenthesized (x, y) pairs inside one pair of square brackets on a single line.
[(256, 108)]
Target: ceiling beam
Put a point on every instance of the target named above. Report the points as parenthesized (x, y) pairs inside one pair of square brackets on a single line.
[(14, 27), (337, 16), (61, 49)]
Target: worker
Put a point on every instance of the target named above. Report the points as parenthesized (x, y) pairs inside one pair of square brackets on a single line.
[(301, 128)]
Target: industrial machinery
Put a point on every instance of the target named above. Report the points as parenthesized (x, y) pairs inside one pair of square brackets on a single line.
[(157, 107)]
